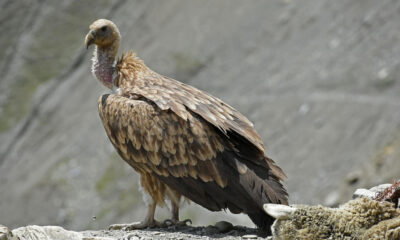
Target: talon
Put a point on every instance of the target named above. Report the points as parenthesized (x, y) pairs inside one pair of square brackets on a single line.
[(171, 222)]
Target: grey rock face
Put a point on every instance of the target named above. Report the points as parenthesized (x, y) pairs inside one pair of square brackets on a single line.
[(320, 80)]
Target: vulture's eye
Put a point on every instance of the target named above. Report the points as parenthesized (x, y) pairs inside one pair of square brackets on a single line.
[(103, 29)]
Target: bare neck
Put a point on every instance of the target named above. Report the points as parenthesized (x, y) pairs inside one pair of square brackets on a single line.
[(103, 64)]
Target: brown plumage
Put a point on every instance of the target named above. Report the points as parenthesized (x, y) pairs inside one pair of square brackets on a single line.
[(181, 140)]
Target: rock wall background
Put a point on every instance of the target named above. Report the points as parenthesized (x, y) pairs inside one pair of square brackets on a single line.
[(319, 78)]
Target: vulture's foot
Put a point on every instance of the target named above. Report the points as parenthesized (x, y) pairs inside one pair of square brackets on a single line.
[(176, 223), (138, 225)]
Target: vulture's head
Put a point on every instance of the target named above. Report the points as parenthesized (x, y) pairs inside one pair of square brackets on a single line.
[(104, 34)]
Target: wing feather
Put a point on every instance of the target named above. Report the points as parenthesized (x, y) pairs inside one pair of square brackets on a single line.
[(160, 89), (183, 100), (186, 148)]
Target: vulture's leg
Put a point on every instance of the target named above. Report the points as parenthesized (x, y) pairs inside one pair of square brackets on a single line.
[(149, 221), (175, 201), (153, 192)]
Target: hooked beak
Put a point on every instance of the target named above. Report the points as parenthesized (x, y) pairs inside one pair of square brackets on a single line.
[(89, 40)]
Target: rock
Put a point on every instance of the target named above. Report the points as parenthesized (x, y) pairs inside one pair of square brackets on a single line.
[(209, 230), (380, 188), (6, 234), (370, 193), (103, 238), (250, 236), (34, 232), (224, 226), (362, 192)]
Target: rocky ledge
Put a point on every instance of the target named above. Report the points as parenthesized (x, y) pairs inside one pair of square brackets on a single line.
[(221, 230), (372, 214)]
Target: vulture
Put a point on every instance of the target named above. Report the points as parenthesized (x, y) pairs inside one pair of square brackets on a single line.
[(183, 142)]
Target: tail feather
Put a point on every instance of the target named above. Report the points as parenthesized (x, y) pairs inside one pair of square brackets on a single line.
[(260, 188), (262, 220), (248, 189)]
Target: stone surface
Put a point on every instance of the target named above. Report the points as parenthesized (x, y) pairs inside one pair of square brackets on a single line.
[(224, 226), (319, 78), (34, 232), (370, 193), (6, 234), (46, 233), (362, 192)]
